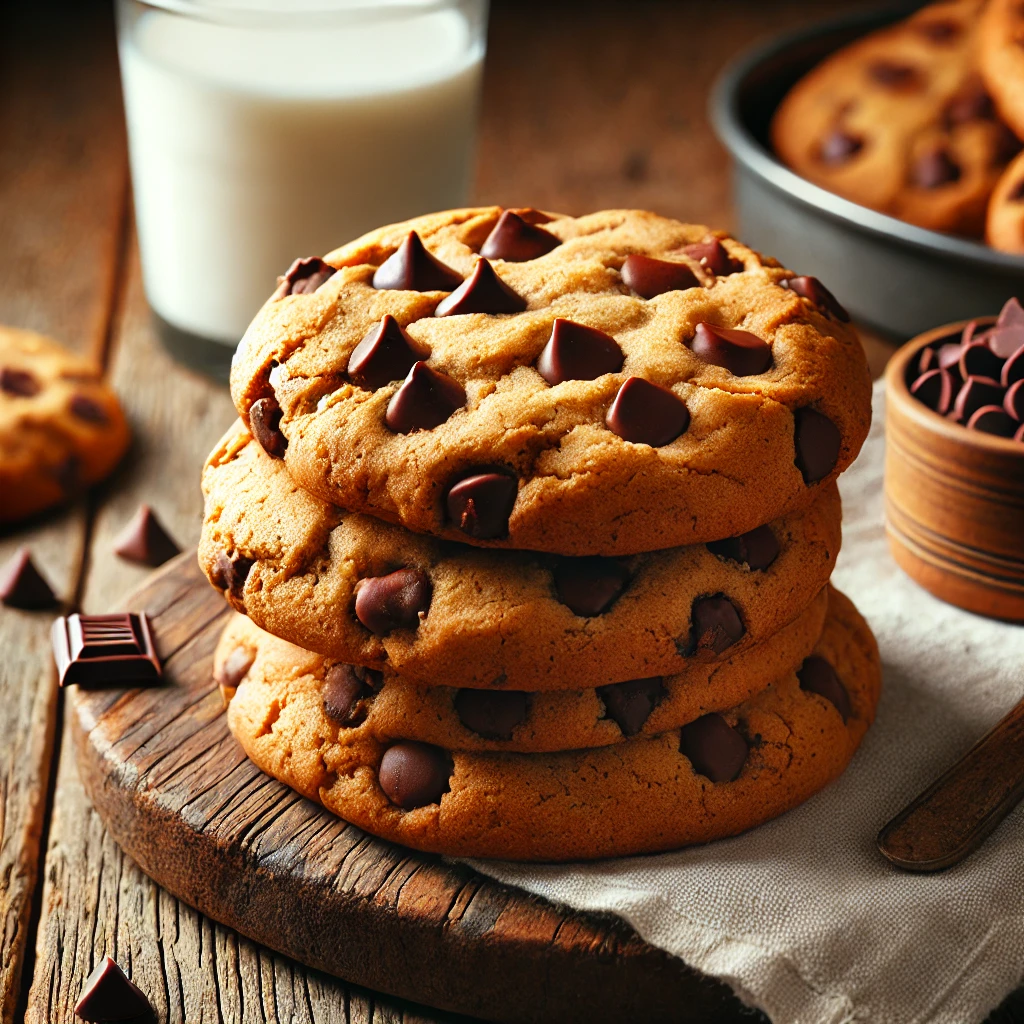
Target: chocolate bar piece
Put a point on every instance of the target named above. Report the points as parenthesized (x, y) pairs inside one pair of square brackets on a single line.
[(103, 650)]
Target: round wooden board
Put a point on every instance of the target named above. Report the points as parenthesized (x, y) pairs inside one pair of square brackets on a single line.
[(179, 795)]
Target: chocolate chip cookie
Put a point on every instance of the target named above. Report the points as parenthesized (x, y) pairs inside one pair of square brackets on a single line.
[(901, 121), (1004, 226), (364, 591), (717, 776), (601, 385), (61, 426), (387, 707), (1002, 59)]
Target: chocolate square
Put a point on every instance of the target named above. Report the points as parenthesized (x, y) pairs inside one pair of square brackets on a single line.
[(102, 650)]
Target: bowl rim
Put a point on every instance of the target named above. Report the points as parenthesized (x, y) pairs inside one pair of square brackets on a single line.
[(896, 390), (746, 150)]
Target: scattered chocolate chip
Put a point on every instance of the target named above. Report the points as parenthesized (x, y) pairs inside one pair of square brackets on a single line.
[(145, 540), (645, 413), (345, 694), (231, 571), (939, 30), (22, 585), (415, 774), (740, 352), (411, 268), (104, 650), (993, 419), (814, 291), (714, 748), (576, 352), (839, 146), (757, 549), (234, 669), (589, 586), (20, 383), (515, 240), (386, 353), (895, 75), (978, 360), (1013, 400), (933, 169), (492, 714), (425, 400), (715, 625), (971, 103), (482, 292), (649, 277), (303, 277), (713, 256), (976, 393), (480, 505), (108, 995), (88, 410), (1013, 369), (630, 704), (817, 441), (265, 423), (816, 675), (936, 389), (394, 601)]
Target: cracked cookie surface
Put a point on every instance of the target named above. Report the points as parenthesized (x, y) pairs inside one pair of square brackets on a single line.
[(663, 444), (643, 795), (298, 566)]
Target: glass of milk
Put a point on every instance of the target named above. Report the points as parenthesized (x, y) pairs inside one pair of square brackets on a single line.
[(265, 130)]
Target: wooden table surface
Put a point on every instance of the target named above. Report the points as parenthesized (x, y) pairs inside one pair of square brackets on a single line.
[(586, 105)]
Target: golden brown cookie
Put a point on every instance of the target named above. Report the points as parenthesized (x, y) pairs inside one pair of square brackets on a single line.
[(715, 777), (900, 121), (386, 707), (1002, 58), (1004, 227), (61, 426), (360, 590), (626, 382)]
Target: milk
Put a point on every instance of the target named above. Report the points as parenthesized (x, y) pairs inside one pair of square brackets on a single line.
[(255, 144)]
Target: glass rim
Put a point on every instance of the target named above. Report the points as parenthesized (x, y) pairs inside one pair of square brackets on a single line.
[(273, 12)]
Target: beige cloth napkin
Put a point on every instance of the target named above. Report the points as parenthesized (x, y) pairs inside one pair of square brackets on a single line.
[(803, 917)]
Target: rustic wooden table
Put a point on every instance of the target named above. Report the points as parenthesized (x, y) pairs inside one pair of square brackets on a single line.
[(586, 106)]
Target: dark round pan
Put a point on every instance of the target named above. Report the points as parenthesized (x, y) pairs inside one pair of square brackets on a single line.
[(895, 277)]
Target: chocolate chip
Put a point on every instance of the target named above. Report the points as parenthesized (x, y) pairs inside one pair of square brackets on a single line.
[(939, 30), (104, 650), (715, 625), (757, 549), (108, 995), (589, 586), (817, 442), (265, 423), (415, 774), (978, 360), (813, 290), (88, 409), (576, 352), (646, 413), (1016, 193), (1019, 435), (1005, 341), (714, 748), (949, 356), (1013, 400), (976, 393), (514, 240), (895, 75), (630, 704), (424, 401), (20, 383), (934, 168), (22, 585), (231, 571), (936, 389), (993, 419), (234, 669), (411, 268), (1013, 369), (649, 277), (740, 352), (927, 359), (839, 146), (480, 505), (971, 103), (482, 292), (713, 256), (816, 675), (386, 353), (303, 277), (144, 540), (492, 714), (394, 601), (346, 693)]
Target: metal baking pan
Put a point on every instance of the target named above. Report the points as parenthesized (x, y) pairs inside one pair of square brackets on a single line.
[(892, 276)]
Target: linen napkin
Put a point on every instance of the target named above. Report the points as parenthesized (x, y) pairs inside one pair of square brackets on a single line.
[(802, 916)]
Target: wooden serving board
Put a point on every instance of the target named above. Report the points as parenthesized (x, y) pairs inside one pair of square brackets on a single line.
[(180, 797)]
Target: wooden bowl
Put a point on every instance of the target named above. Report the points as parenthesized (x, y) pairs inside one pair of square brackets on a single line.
[(954, 499)]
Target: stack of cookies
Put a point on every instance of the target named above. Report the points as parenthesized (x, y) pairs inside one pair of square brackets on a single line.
[(531, 519)]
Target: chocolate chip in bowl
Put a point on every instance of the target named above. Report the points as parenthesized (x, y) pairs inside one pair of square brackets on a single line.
[(954, 472)]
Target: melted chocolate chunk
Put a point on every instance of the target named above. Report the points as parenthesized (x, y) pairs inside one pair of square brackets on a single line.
[(394, 601), (816, 675), (714, 748), (817, 442), (425, 400), (649, 277), (482, 292), (20, 383), (757, 548), (492, 714), (22, 585), (839, 147), (630, 704), (231, 571), (144, 540), (88, 410), (740, 352), (415, 774), (346, 693), (645, 413), (576, 352), (386, 353), (934, 169), (303, 277), (480, 505), (411, 268), (589, 586), (713, 256), (265, 423), (813, 290), (715, 625), (972, 103), (895, 75), (515, 240), (234, 669)]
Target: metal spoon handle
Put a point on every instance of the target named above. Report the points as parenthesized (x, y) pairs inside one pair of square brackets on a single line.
[(955, 814)]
